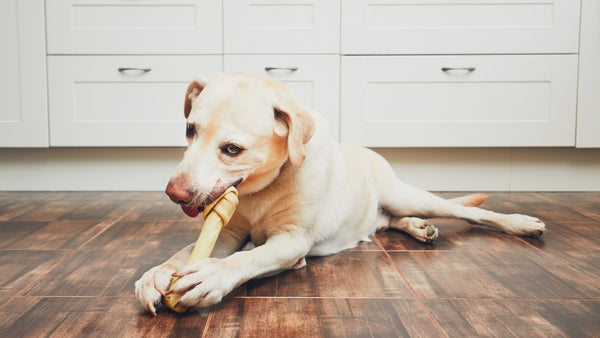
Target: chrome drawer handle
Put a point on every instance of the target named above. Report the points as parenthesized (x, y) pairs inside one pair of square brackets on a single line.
[(290, 69), (125, 69), (449, 69)]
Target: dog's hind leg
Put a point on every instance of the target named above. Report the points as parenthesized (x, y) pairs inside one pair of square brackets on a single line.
[(425, 231), (400, 200)]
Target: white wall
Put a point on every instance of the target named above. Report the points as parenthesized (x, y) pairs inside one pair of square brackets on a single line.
[(441, 169)]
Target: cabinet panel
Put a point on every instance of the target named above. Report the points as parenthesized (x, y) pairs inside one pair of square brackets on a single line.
[(315, 79), (134, 27), (284, 27), (588, 107), (493, 101), (459, 26), (23, 108), (92, 103)]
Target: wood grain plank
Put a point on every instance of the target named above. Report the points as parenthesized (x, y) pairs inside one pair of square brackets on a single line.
[(347, 274), (517, 318), (490, 274), (12, 208), (568, 236), (157, 235), (585, 203), (20, 268), (48, 235), (586, 263), (93, 317), (98, 273), (321, 317), (99, 210)]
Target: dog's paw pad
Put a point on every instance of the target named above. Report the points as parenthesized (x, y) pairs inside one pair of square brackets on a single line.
[(428, 232)]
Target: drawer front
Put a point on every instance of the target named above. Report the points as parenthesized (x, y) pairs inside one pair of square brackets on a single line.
[(281, 26), (92, 103), (315, 79), (134, 26), (459, 26), (409, 101)]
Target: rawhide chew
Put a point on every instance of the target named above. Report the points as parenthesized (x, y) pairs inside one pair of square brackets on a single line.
[(216, 216)]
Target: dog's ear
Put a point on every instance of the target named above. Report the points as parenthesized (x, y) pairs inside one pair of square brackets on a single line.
[(295, 122), (193, 90)]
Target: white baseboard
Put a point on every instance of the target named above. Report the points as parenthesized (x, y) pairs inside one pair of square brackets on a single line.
[(497, 169), (438, 169)]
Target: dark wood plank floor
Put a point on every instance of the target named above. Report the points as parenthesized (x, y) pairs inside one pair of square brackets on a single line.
[(68, 262)]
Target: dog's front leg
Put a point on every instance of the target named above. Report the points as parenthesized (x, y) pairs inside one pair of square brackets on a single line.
[(207, 281)]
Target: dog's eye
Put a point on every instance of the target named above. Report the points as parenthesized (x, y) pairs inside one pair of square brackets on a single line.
[(190, 131), (231, 150)]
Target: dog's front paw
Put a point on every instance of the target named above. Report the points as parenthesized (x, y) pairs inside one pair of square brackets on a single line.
[(204, 283), (148, 288)]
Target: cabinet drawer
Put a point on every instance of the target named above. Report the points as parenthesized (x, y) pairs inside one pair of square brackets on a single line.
[(134, 26), (391, 101), (281, 26), (459, 26), (315, 80), (92, 103)]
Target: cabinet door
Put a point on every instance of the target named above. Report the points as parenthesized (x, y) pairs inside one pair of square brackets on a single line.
[(588, 107), (134, 26), (314, 79), (459, 26), (92, 103), (281, 26), (23, 109), (477, 101)]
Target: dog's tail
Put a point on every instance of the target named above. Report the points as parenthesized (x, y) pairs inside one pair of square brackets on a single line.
[(473, 200)]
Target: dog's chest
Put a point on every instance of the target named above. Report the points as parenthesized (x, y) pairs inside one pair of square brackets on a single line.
[(268, 215)]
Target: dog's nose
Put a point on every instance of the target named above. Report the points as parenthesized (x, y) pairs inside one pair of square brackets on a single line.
[(178, 193)]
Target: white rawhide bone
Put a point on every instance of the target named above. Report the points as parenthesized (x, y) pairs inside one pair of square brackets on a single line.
[(216, 216)]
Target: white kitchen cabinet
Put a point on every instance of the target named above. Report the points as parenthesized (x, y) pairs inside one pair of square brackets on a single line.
[(23, 108), (121, 100), (459, 26), (314, 79), (588, 108), (389, 89), (281, 26), (459, 101), (134, 26)]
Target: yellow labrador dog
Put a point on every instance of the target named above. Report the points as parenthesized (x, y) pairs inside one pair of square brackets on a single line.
[(301, 193)]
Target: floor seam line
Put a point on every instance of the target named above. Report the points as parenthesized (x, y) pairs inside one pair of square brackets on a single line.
[(417, 297)]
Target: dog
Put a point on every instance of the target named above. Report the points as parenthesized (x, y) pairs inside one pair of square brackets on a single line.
[(301, 193)]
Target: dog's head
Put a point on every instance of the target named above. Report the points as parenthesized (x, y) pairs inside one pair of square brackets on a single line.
[(240, 130)]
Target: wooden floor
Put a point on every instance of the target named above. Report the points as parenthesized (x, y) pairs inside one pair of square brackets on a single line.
[(68, 262)]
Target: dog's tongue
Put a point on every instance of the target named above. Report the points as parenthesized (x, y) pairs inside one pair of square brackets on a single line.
[(190, 211)]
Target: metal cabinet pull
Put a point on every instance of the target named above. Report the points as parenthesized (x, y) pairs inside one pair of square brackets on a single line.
[(290, 69), (125, 69), (449, 69)]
